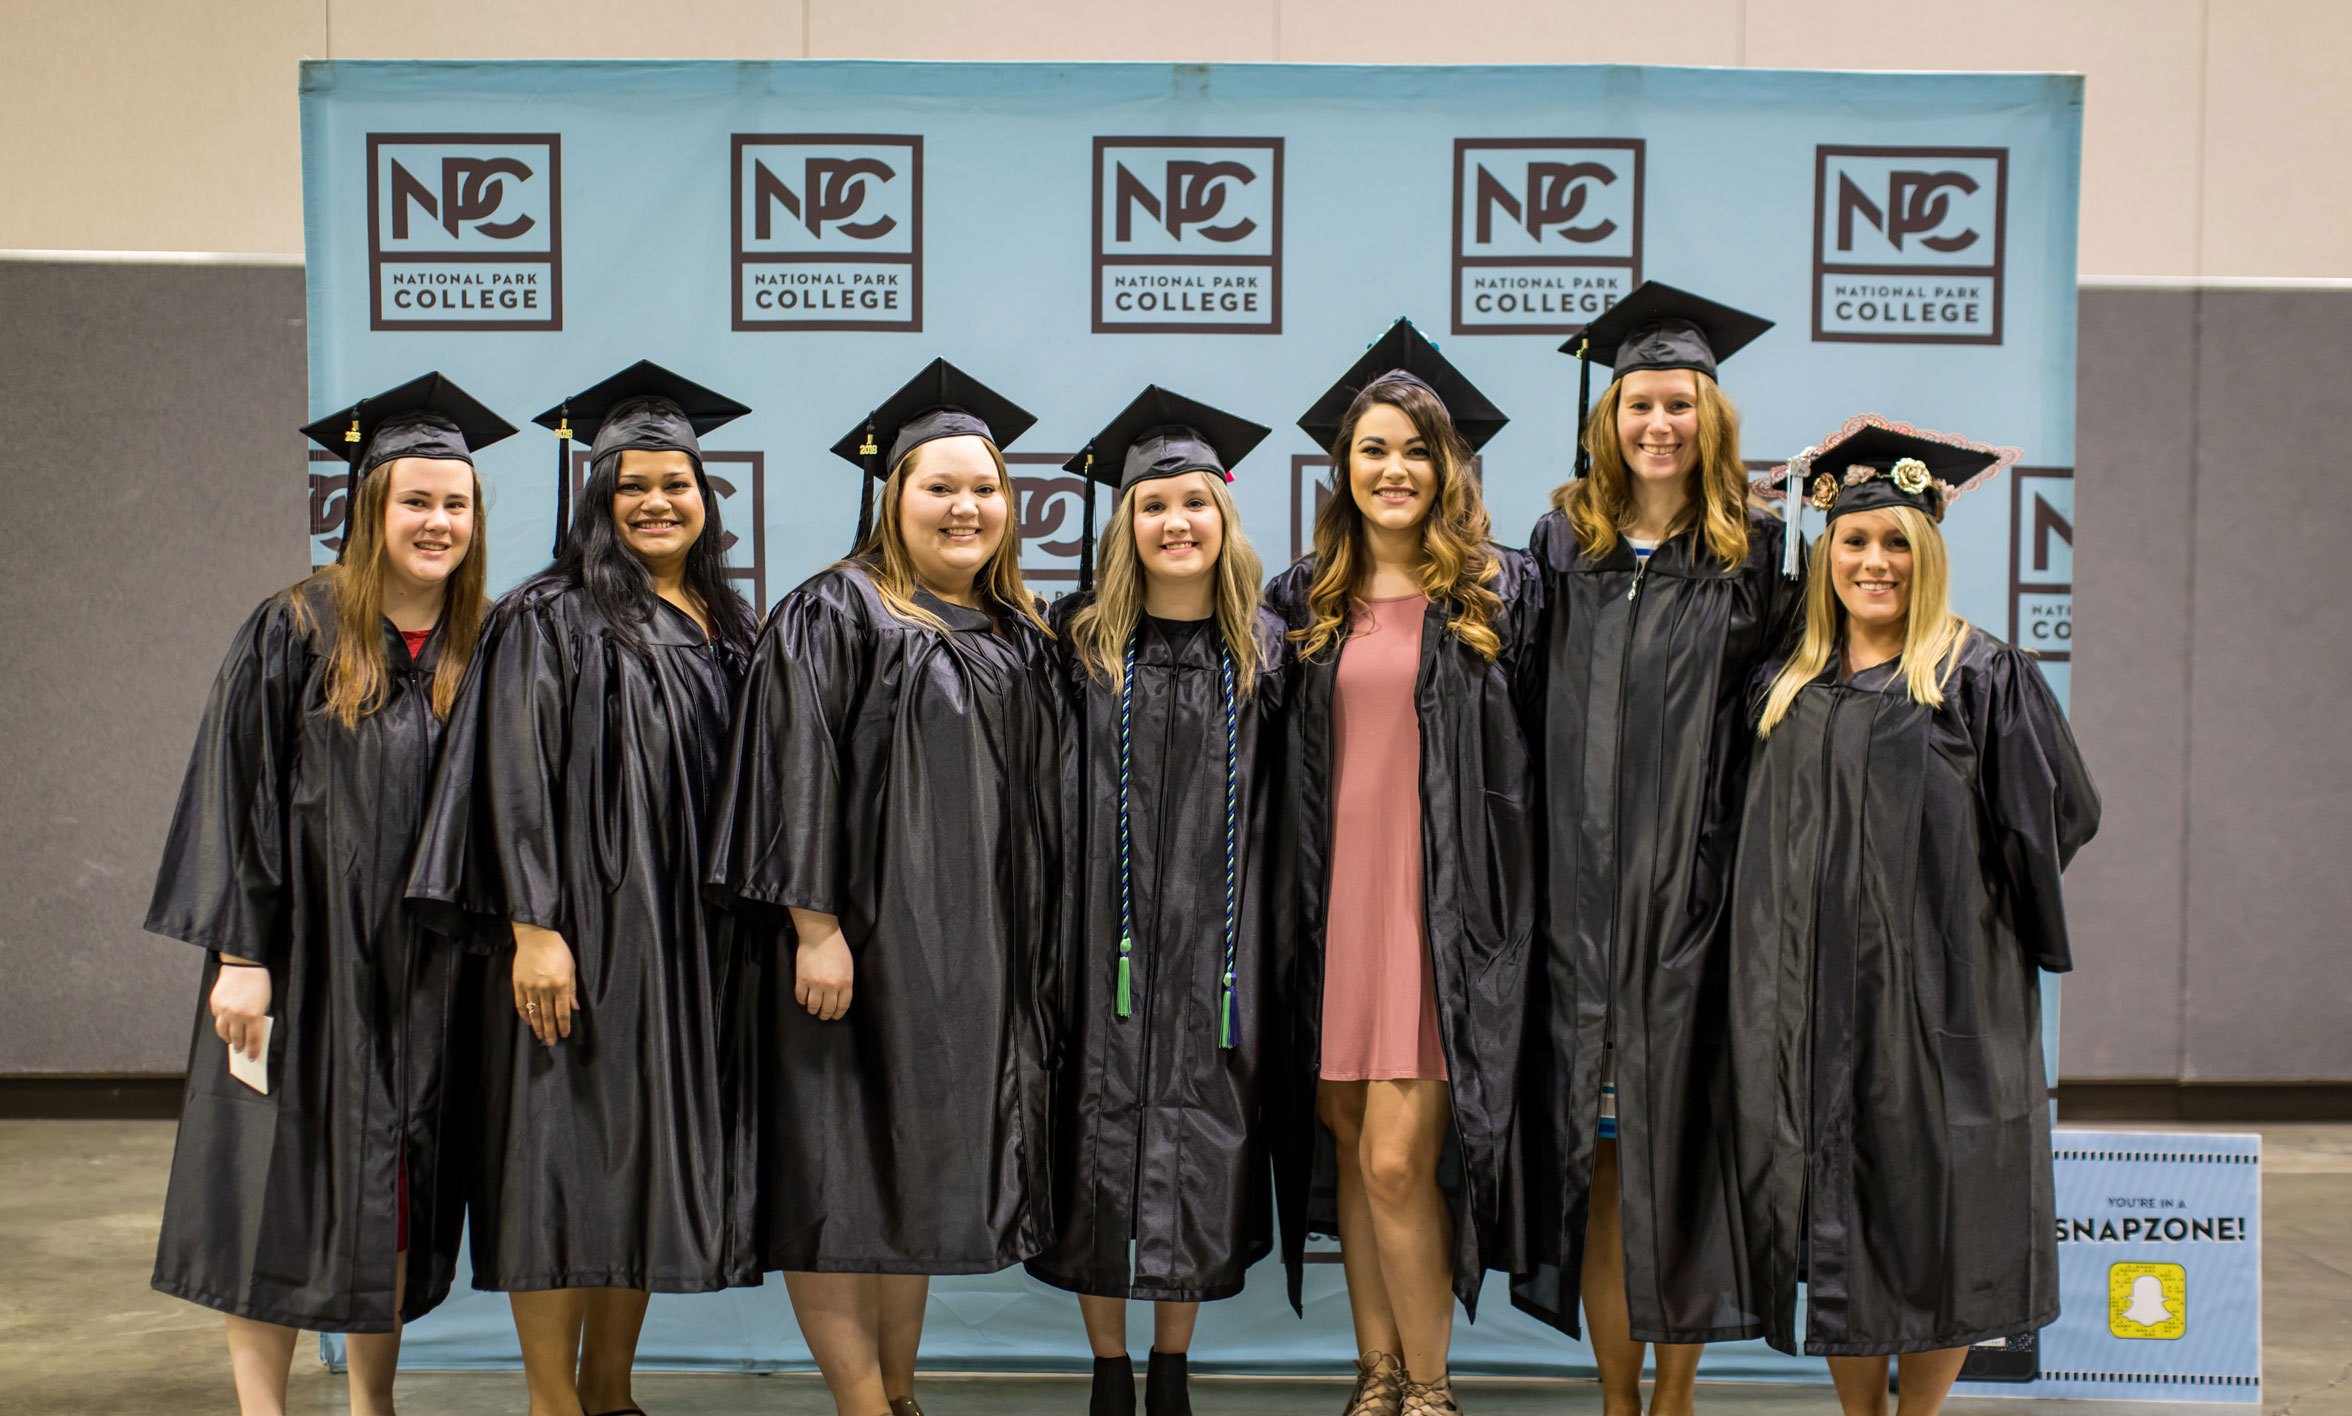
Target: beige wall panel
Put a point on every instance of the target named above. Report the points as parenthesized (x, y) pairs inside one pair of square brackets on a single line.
[(564, 29), (1205, 31), (2278, 139), (1508, 32), (2140, 115), (157, 125)]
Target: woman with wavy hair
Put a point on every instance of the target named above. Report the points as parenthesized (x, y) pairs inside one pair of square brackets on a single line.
[(1914, 799), (888, 831), (319, 1179), (568, 813), (1664, 589), (1173, 674), (1409, 768)]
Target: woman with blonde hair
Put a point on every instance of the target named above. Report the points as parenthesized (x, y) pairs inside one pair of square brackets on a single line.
[(1409, 778), (1173, 675), (1915, 796), (319, 1180), (888, 831), (1663, 592)]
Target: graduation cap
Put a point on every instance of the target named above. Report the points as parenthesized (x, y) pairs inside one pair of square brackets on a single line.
[(1873, 463), (1656, 327), (643, 408), (425, 417), (1404, 354), (941, 402), (1159, 434)]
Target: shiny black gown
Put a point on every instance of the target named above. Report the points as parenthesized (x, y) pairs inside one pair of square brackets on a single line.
[(1897, 887), (1479, 864), (290, 846), (1158, 1136), (1644, 761), (905, 781), (578, 773)]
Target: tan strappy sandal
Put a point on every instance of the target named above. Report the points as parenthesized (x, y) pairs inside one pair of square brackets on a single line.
[(1380, 1386), (1433, 1399)]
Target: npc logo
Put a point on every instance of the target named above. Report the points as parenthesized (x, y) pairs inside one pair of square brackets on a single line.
[(740, 483), (465, 231), (828, 231), (2041, 561), (330, 489), (1908, 244), (1052, 506), (1547, 231), (1188, 235)]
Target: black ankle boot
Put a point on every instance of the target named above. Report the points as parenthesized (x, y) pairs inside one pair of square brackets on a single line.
[(1164, 1392), (1114, 1387)]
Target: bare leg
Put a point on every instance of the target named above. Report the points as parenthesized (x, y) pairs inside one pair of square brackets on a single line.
[(260, 1356), (904, 1297), (1404, 1132), (610, 1319), (1106, 1324), (373, 1358), (547, 1324), (1172, 1327), (1861, 1384), (840, 1316), (1676, 1379), (1341, 1105), (1927, 1379), (1602, 1283)]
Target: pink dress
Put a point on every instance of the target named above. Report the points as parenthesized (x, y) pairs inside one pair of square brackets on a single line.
[(1379, 989)]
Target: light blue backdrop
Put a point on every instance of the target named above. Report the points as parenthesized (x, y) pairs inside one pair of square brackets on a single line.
[(805, 235)]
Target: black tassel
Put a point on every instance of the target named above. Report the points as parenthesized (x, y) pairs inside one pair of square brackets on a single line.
[(563, 481), (350, 484), (1583, 403), (1086, 541), (870, 452)]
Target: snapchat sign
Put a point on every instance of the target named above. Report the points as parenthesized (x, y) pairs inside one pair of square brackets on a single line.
[(2148, 1300)]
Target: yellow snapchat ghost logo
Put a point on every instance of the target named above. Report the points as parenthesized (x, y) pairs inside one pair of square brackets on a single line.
[(2147, 1300)]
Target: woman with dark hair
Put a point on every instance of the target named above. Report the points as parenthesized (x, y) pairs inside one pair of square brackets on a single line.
[(1174, 677), (318, 1180), (1664, 589), (1915, 797), (1409, 762), (888, 827), (570, 807)]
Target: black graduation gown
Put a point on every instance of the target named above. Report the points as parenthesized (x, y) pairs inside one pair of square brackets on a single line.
[(906, 782), (578, 774), (290, 846), (1897, 886), (1646, 728), (1157, 1133), (1478, 853)]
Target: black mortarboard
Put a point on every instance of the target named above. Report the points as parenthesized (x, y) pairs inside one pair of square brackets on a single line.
[(1656, 326), (425, 417), (643, 408), (1872, 463), (941, 402), (1404, 353), (1159, 434)]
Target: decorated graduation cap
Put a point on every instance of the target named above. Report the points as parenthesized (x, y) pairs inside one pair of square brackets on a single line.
[(425, 417), (1656, 327), (643, 408), (941, 402), (1159, 434), (1873, 463), (1404, 354)]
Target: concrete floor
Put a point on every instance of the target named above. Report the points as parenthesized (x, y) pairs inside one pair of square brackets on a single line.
[(80, 1331)]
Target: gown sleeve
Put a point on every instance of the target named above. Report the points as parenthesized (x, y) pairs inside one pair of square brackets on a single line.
[(493, 839), (2039, 798), (776, 840), (222, 884)]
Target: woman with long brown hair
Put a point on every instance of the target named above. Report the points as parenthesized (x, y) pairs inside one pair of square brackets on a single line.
[(888, 833), (1916, 795), (317, 1181), (1409, 768), (567, 817), (1173, 674), (1664, 589)]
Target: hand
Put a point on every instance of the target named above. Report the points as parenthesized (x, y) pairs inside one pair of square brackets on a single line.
[(545, 998), (240, 1001), (822, 968)]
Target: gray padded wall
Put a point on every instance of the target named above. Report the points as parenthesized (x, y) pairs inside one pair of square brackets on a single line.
[(2208, 680)]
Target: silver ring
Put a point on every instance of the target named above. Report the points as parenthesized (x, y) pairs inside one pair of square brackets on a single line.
[(530, 1007)]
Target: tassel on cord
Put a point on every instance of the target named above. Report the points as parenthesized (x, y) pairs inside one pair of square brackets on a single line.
[(1583, 403), (1126, 894), (1126, 997), (350, 487), (869, 451), (1792, 511), (563, 479), (1232, 812), (1086, 541)]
